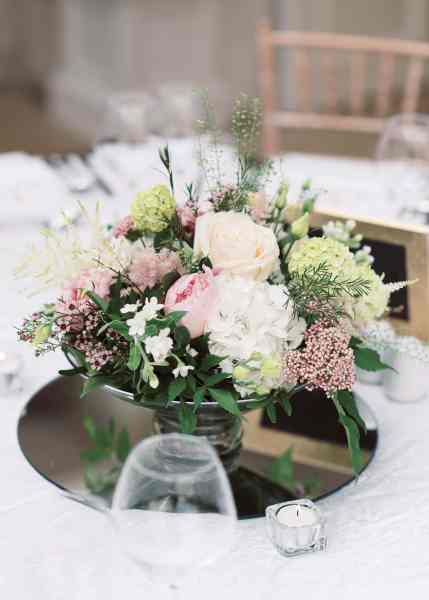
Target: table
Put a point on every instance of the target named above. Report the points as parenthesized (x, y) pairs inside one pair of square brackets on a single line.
[(51, 548)]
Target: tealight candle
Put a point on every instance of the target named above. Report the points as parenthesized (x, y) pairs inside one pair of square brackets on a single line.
[(296, 527)]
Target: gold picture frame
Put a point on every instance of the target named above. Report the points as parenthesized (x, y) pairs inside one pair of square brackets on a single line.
[(415, 239)]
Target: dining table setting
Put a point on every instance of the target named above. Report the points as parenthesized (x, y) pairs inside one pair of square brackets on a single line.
[(368, 537)]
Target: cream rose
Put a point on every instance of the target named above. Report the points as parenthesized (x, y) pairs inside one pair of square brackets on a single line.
[(236, 244)]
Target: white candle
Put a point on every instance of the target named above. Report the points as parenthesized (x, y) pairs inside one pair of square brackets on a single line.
[(296, 515)]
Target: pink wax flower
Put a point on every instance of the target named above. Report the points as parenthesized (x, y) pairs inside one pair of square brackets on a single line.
[(326, 362), (187, 218), (123, 227), (196, 294)]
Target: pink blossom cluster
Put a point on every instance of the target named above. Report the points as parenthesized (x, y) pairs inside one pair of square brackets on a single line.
[(124, 227), (148, 268), (325, 362)]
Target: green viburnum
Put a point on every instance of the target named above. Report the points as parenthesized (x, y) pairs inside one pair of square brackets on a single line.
[(153, 210), (309, 253), (373, 304)]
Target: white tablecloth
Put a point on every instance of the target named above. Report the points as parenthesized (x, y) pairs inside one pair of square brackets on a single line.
[(51, 548)]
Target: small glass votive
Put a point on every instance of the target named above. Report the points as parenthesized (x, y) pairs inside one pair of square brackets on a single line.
[(10, 369), (296, 527)]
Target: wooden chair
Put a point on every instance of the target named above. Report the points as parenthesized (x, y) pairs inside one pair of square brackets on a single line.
[(357, 51)]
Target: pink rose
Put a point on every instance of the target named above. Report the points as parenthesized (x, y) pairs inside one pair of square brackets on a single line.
[(187, 218), (196, 294)]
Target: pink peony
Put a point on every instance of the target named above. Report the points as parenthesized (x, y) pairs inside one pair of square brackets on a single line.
[(89, 280), (123, 227), (196, 294)]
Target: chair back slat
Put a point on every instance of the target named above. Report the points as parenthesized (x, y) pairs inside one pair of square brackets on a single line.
[(329, 75), (303, 78), (412, 85), (358, 51), (358, 77), (385, 78)]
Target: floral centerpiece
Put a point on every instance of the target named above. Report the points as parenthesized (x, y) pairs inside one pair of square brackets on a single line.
[(222, 302)]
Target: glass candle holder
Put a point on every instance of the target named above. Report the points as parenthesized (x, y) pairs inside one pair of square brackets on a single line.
[(296, 527)]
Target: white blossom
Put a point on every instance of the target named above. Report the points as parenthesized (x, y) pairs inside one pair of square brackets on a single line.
[(191, 351), (182, 370), (131, 308), (149, 311), (159, 345)]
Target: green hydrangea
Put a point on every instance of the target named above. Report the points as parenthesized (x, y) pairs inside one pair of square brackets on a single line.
[(315, 251), (374, 304), (153, 210)]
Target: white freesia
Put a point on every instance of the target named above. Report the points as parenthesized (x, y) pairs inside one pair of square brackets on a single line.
[(159, 345), (149, 311), (236, 244), (182, 370), (252, 319), (131, 308)]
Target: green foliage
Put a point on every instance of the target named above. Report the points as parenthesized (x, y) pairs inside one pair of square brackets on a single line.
[(282, 472), (368, 359), (187, 418), (103, 461), (350, 419), (226, 399), (316, 290)]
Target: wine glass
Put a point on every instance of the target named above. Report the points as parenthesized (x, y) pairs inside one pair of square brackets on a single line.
[(181, 108), (403, 156), (128, 118), (173, 507)]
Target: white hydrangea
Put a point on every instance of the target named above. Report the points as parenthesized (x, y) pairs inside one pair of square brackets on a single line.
[(252, 318)]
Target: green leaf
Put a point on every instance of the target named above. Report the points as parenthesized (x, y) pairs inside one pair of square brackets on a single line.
[(182, 337), (355, 342), (102, 304), (93, 383), (90, 427), (286, 405), (187, 418), (122, 328), (94, 455), (353, 437), (369, 360), (69, 372), (176, 387), (192, 384), (347, 401), (169, 279), (217, 378), (226, 400), (282, 470), (135, 358), (199, 397), (123, 445), (271, 412), (210, 361)]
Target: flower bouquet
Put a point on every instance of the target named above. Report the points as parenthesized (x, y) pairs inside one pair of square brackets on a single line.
[(209, 309)]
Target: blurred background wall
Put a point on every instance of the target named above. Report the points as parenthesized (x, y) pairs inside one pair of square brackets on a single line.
[(71, 54)]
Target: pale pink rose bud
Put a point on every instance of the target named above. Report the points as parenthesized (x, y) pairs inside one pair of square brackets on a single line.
[(123, 227), (196, 294), (187, 218)]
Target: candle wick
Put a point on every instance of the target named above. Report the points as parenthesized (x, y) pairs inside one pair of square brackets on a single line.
[(297, 511)]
